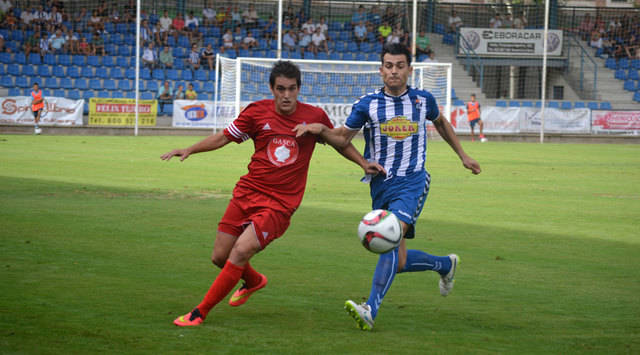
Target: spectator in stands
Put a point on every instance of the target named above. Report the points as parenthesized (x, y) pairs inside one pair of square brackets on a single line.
[(237, 37), (84, 47), (5, 5), (190, 94), (632, 46), (455, 22), (165, 95), (149, 57), (520, 22), (319, 41), (431, 58), (165, 27), (81, 20), (26, 19), (177, 26), (402, 34), (290, 14), (57, 42), (193, 61), (54, 20), (208, 15), (146, 33), (287, 25), (308, 25), (496, 21), (208, 56), (322, 23), (40, 17), (221, 17), (289, 40), (596, 40), (44, 44), (179, 94), (270, 29), (389, 16), (250, 17), (423, 46), (394, 37), (10, 21), (360, 32), (586, 26), (191, 28), (96, 22), (236, 16), (508, 21), (166, 58), (359, 16), (114, 16), (249, 42), (305, 43), (227, 39), (384, 31), (71, 41), (98, 44)]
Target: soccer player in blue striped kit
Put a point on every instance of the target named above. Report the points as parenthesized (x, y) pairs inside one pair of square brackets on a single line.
[(395, 131)]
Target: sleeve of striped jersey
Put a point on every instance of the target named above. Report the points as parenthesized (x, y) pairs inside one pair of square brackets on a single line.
[(241, 128), (432, 108), (358, 117)]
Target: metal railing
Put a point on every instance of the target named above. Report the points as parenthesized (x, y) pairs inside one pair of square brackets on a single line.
[(580, 64), (471, 59)]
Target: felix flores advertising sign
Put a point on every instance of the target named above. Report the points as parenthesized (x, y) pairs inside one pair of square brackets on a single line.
[(509, 42)]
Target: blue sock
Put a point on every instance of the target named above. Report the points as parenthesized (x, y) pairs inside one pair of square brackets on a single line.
[(382, 279), (418, 260)]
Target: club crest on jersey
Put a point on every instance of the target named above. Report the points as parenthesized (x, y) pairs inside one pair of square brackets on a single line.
[(282, 150), (399, 128)]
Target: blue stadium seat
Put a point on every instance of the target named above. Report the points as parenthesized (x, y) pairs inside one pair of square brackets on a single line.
[(34, 59), (620, 74), (108, 61), (81, 84), (7, 82), (104, 94), (93, 60), (579, 104), (122, 62), (514, 103), (95, 84), (87, 94), (592, 105), (117, 94), (73, 94), (58, 71), (605, 105), (124, 85), (49, 59), (51, 83), (158, 74), (152, 86), (130, 73), (66, 83), (109, 84), (6, 58), (146, 95), (14, 92), (167, 109), (501, 103), (64, 60), (633, 74), (116, 73), (172, 74), (13, 69), (566, 105), (59, 93), (623, 63), (636, 96), (28, 70), (130, 94), (125, 51), (145, 74), (209, 87), (203, 96), (635, 64), (201, 75), (187, 75), (35, 79), (630, 85), (250, 88), (102, 73), (19, 58), (87, 72), (439, 29), (78, 60), (73, 72), (610, 63), (553, 104)]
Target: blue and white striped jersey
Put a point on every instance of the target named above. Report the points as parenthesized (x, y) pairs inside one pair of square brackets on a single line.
[(395, 128)]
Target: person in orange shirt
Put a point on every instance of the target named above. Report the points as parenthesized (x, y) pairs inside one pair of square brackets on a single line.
[(37, 104), (473, 114)]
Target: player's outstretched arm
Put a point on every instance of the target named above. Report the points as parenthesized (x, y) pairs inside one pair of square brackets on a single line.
[(446, 132), (338, 138), (350, 152), (213, 142)]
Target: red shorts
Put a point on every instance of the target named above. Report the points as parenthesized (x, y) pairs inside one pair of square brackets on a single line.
[(248, 207)]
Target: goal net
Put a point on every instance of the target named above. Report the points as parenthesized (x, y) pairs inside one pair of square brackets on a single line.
[(331, 85)]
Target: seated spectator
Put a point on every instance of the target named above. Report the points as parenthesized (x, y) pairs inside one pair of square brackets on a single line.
[(54, 20), (44, 44), (84, 47), (208, 15), (95, 22), (389, 16), (208, 56), (632, 47), (402, 34), (586, 26), (249, 42), (40, 17), (165, 23), (166, 58), (190, 94), (114, 16), (10, 21), (57, 42), (596, 40), (360, 32), (271, 30), (98, 44), (520, 22), (2, 43), (32, 44), (236, 16), (455, 22), (149, 57), (193, 61), (81, 21), (508, 21), (237, 37), (289, 40), (319, 41), (322, 23), (305, 42), (359, 16), (384, 31), (177, 26), (431, 58), (221, 18), (250, 17), (394, 37), (422, 44), (71, 42), (5, 5), (146, 33), (496, 21), (191, 25), (308, 25), (227, 39), (179, 94), (165, 95), (26, 18)]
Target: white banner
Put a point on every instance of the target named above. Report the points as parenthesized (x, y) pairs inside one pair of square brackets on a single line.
[(193, 113), (59, 111), (509, 42)]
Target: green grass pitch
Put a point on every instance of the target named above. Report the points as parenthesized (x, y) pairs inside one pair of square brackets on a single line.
[(103, 245)]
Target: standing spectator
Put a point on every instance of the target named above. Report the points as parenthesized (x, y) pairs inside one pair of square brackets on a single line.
[(319, 41), (84, 47), (57, 42), (384, 31), (98, 44), (289, 40), (508, 21), (191, 27), (194, 58), (496, 21), (227, 39), (166, 58), (179, 94), (165, 95), (149, 57), (422, 44), (209, 15), (32, 44), (455, 22), (249, 42), (250, 17), (360, 32), (359, 16), (520, 22), (190, 94), (208, 56)]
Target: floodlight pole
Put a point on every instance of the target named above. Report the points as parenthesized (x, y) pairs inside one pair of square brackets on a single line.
[(544, 68)]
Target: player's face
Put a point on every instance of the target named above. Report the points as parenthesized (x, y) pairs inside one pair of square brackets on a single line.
[(395, 71), (285, 92)]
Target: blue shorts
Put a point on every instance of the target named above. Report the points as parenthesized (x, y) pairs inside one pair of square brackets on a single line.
[(472, 123), (405, 196)]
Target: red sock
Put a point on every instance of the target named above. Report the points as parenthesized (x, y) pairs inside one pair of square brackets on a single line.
[(251, 276), (223, 284)]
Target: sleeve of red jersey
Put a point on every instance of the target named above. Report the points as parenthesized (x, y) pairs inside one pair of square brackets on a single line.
[(241, 129), (325, 119)]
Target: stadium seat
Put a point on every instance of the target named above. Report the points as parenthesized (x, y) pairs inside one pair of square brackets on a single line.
[(51, 83), (124, 85), (49, 59), (33, 80), (28, 70), (457, 103), (592, 105), (610, 63), (635, 64), (187, 75), (158, 74), (152, 86), (130, 94), (64, 60), (633, 74), (108, 61), (59, 93), (13, 69), (145, 74), (81, 84), (167, 109), (130, 73), (7, 82), (501, 103), (209, 87), (95, 84), (201, 75), (566, 105), (636, 96), (630, 85), (78, 60), (605, 105), (620, 74), (14, 92), (623, 63), (6, 58), (19, 58), (514, 103), (73, 94), (104, 94), (178, 64), (102, 73), (58, 71), (122, 62), (553, 104), (87, 72), (146, 96), (203, 96), (116, 73), (73, 72), (66, 83), (172, 74), (579, 104), (109, 84), (87, 94), (34, 59), (439, 29)]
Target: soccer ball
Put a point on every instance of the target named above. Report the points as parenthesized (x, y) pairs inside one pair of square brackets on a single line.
[(380, 231), (483, 139)]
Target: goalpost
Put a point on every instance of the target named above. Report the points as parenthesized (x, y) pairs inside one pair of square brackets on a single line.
[(332, 85)]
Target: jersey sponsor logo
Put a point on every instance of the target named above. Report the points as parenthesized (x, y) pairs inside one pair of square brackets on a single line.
[(399, 128), (282, 150), (266, 127)]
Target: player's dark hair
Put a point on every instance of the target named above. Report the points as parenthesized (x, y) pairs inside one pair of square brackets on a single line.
[(395, 49), (287, 69)]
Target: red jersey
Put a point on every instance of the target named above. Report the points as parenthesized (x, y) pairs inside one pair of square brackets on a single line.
[(280, 162)]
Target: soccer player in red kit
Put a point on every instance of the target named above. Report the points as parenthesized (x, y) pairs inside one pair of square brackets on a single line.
[(267, 196)]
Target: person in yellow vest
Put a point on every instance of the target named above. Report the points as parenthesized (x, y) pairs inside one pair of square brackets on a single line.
[(473, 114), (37, 104)]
